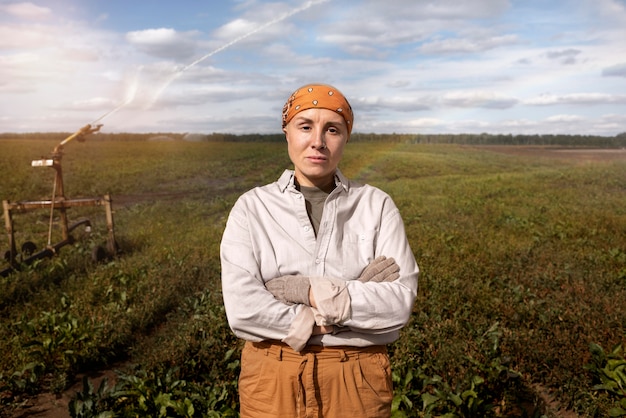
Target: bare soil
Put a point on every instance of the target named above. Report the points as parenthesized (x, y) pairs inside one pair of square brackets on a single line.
[(50, 405), (577, 154)]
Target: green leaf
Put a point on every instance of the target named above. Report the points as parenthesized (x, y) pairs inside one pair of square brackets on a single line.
[(429, 399), (398, 414), (456, 399), (615, 363), (617, 412), (477, 380), (469, 394), (395, 403)]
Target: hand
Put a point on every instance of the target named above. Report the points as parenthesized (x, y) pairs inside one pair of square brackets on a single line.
[(381, 269), (290, 289)]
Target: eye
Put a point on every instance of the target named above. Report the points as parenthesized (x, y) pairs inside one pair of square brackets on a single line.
[(303, 125)]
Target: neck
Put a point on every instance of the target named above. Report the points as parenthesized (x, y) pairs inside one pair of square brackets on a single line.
[(326, 186)]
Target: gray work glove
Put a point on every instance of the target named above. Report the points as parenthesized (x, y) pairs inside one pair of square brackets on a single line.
[(290, 289), (381, 269)]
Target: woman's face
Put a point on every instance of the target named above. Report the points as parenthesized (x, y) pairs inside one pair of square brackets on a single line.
[(315, 141)]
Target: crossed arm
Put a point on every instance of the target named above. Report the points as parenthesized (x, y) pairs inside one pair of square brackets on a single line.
[(292, 289), (370, 307)]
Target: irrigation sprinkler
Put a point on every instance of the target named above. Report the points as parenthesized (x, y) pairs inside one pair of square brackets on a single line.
[(58, 202)]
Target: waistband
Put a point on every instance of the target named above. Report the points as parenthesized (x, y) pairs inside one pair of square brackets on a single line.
[(281, 351)]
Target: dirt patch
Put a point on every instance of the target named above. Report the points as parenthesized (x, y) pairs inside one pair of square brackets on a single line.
[(50, 405), (576, 154), (128, 200), (179, 189), (552, 405)]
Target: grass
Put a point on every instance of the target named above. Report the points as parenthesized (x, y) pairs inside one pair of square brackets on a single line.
[(523, 278)]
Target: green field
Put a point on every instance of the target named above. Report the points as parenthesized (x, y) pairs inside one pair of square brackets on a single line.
[(520, 310)]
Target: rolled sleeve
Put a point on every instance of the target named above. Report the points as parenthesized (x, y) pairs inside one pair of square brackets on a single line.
[(301, 328), (332, 301)]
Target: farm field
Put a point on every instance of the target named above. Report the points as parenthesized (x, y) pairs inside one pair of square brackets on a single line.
[(520, 309)]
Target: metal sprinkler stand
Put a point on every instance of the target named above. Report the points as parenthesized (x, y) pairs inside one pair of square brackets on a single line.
[(60, 203)]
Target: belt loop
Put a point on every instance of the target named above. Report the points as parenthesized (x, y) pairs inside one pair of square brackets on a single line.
[(258, 347), (343, 356), (279, 355), (266, 348)]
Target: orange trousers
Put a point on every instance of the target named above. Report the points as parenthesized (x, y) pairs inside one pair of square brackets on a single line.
[(328, 382)]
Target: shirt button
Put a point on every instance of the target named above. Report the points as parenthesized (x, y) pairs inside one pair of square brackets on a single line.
[(317, 261), (362, 237), (307, 228)]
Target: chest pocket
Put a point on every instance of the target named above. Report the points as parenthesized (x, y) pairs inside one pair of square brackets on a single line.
[(358, 251)]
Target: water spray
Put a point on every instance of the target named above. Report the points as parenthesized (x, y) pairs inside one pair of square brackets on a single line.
[(59, 202), (177, 73)]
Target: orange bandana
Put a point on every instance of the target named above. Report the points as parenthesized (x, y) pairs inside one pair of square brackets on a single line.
[(320, 96)]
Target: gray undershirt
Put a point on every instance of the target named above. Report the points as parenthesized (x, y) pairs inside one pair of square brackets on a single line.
[(315, 199)]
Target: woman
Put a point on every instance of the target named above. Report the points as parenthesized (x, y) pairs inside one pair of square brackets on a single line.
[(317, 276)]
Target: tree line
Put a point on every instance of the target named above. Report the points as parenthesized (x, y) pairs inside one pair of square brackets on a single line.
[(594, 141)]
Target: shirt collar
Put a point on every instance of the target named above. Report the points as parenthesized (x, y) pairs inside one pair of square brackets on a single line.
[(288, 179)]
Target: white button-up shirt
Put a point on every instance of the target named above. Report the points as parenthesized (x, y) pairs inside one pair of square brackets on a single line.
[(269, 234)]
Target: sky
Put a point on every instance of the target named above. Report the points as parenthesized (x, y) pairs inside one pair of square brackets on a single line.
[(406, 66)]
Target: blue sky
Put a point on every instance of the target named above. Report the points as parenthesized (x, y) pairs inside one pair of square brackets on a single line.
[(406, 66)]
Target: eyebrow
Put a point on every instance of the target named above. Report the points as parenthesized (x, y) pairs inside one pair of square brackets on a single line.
[(303, 119)]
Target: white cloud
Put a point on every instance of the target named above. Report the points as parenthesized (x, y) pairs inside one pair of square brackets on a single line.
[(564, 119), (576, 99), (398, 84), (236, 28), (481, 99), (439, 10), (18, 59), (100, 104), (607, 10), (467, 44), (395, 103), (20, 37), (373, 27), (618, 70), (268, 22), (26, 10), (411, 125), (425, 123), (567, 56), (164, 43)]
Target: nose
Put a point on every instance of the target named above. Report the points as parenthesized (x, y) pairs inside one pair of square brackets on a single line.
[(319, 142)]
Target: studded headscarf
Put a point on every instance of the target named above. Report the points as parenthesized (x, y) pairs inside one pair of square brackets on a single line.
[(318, 96)]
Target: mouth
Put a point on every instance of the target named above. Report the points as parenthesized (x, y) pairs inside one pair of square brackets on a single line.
[(317, 158)]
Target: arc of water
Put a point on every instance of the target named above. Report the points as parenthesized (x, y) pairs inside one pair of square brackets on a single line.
[(130, 96), (176, 74)]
